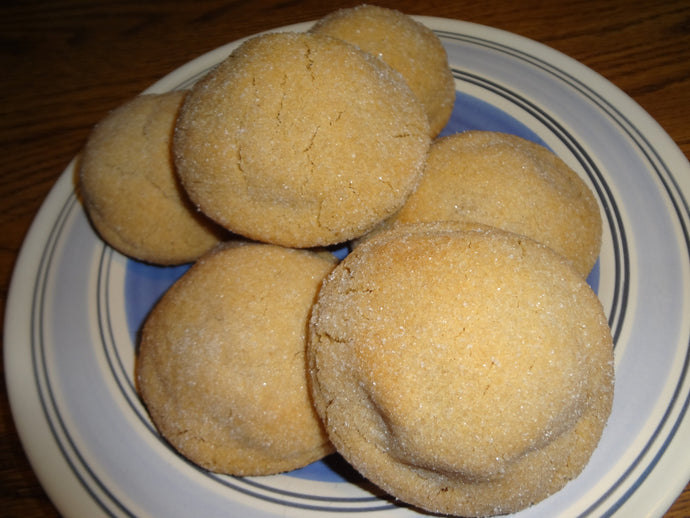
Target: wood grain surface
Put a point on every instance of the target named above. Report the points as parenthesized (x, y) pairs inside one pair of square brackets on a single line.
[(65, 64)]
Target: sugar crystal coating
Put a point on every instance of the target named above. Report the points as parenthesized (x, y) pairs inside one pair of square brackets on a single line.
[(508, 182), (221, 363), (406, 45), (300, 140), (464, 369), (130, 190)]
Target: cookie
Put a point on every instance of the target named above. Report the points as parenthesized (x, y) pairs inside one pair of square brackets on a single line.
[(221, 365), (408, 46), (130, 190), (464, 369), (300, 140), (508, 182)]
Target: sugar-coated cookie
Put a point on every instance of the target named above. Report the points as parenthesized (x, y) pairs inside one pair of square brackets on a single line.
[(408, 46), (464, 369), (130, 190), (508, 182), (300, 140), (221, 365)]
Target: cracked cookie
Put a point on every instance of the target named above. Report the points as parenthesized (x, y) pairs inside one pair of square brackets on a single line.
[(221, 365), (300, 140), (129, 187), (406, 45), (464, 369)]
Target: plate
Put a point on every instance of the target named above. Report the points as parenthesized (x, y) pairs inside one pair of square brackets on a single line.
[(75, 306)]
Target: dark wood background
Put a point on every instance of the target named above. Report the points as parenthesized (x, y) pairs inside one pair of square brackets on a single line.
[(65, 64)]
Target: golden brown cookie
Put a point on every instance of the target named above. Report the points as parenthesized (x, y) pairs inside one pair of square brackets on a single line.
[(464, 369), (221, 365), (508, 182), (408, 46), (130, 190), (300, 140)]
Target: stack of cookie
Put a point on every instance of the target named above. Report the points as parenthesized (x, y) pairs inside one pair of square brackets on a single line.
[(456, 357)]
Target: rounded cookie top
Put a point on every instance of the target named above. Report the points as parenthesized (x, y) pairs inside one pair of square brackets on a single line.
[(130, 190), (511, 183), (464, 369), (221, 365), (300, 140), (408, 46)]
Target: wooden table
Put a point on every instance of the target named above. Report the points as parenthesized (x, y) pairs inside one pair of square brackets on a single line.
[(66, 64)]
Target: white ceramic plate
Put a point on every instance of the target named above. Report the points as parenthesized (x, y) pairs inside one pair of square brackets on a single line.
[(75, 306)]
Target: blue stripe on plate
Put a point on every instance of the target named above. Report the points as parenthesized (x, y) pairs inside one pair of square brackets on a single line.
[(92, 484)]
